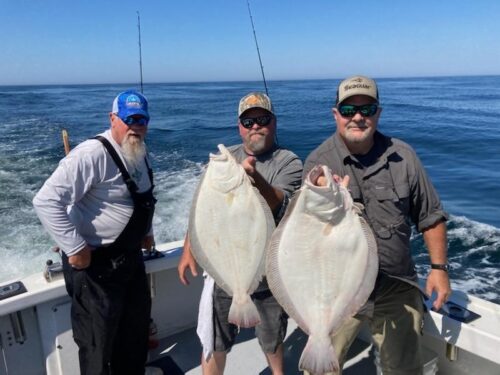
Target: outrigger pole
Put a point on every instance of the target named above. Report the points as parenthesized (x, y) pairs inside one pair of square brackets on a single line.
[(65, 139), (257, 45), (140, 49)]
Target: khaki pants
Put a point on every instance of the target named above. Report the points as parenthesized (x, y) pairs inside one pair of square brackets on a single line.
[(396, 328)]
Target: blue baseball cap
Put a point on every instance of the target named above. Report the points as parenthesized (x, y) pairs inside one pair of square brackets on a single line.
[(130, 103)]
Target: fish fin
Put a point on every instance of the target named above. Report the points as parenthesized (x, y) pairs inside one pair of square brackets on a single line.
[(346, 198), (358, 208), (275, 282), (319, 356), (270, 226), (371, 270), (243, 312)]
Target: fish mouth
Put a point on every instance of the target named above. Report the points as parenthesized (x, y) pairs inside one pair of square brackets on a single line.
[(316, 173)]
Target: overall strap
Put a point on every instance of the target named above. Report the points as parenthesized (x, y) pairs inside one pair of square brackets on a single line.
[(150, 171), (131, 185)]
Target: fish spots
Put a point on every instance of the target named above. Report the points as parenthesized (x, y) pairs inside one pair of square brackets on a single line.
[(327, 229), (229, 198)]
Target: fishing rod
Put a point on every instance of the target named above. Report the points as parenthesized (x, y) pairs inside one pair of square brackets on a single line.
[(140, 49), (257, 45)]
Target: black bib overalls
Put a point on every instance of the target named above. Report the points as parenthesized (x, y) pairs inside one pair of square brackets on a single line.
[(111, 302)]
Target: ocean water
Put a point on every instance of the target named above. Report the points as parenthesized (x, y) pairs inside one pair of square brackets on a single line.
[(452, 122)]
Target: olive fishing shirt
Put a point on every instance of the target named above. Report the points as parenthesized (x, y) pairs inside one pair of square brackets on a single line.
[(395, 190)]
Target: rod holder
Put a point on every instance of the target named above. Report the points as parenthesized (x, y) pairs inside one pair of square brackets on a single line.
[(152, 284), (451, 352), (16, 320)]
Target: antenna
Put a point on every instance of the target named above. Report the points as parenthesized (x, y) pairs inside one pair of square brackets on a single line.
[(140, 50), (257, 45)]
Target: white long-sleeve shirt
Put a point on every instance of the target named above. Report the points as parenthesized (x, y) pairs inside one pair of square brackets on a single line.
[(85, 200)]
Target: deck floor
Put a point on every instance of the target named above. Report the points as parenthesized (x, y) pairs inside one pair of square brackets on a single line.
[(180, 354)]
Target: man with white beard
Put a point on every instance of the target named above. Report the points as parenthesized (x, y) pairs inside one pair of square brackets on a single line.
[(98, 207)]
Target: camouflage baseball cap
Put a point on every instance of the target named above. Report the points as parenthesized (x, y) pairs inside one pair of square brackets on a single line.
[(255, 100), (357, 85)]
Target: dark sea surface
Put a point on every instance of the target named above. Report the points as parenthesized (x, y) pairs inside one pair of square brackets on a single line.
[(452, 122)]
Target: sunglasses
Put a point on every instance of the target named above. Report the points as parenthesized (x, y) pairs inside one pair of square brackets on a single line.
[(130, 120), (349, 110), (247, 122)]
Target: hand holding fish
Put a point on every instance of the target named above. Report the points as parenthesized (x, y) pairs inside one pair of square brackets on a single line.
[(187, 261), (249, 165), (273, 196)]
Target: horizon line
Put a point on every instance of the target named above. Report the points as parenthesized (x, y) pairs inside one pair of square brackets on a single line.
[(241, 81)]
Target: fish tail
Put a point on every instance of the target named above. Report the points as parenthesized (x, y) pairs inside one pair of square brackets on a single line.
[(243, 313), (319, 356)]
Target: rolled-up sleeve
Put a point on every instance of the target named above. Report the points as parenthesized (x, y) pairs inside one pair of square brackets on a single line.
[(427, 208)]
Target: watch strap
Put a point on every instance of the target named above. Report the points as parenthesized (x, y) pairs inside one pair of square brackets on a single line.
[(442, 267)]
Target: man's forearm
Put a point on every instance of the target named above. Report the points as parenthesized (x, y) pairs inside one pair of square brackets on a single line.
[(273, 196), (437, 243)]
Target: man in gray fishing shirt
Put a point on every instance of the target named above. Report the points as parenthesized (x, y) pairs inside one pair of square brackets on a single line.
[(386, 176), (98, 207), (276, 173)]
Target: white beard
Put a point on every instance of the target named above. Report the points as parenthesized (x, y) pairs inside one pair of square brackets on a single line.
[(133, 150)]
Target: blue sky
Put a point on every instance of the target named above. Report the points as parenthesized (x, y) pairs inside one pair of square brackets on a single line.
[(57, 41)]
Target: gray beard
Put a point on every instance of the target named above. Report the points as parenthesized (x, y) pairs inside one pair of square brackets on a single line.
[(357, 139), (256, 147), (133, 150)]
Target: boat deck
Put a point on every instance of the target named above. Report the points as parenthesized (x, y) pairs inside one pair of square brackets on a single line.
[(180, 354)]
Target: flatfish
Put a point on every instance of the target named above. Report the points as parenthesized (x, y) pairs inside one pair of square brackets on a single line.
[(321, 265), (230, 225)]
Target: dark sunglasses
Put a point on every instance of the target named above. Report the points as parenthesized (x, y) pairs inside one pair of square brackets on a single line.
[(129, 121), (349, 110), (247, 122)]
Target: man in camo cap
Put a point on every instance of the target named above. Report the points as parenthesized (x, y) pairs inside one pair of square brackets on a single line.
[(276, 173)]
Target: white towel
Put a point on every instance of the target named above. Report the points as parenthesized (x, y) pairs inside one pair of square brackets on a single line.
[(205, 329)]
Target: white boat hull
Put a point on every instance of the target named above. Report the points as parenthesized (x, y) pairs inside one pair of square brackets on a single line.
[(36, 335)]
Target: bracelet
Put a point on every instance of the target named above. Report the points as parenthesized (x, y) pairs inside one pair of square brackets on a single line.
[(442, 267)]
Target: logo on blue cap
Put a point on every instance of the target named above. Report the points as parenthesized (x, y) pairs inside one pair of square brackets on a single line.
[(130, 103)]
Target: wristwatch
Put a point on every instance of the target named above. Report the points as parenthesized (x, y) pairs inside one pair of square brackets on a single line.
[(442, 267)]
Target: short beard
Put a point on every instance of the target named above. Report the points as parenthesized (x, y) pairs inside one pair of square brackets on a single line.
[(356, 138), (133, 150), (257, 147)]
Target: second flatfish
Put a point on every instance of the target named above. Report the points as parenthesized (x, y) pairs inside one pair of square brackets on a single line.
[(322, 265)]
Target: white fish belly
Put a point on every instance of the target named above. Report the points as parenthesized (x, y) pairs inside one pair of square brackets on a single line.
[(321, 273), (232, 232), (321, 266)]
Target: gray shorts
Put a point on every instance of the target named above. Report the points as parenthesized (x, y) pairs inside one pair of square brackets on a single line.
[(270, 331)]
